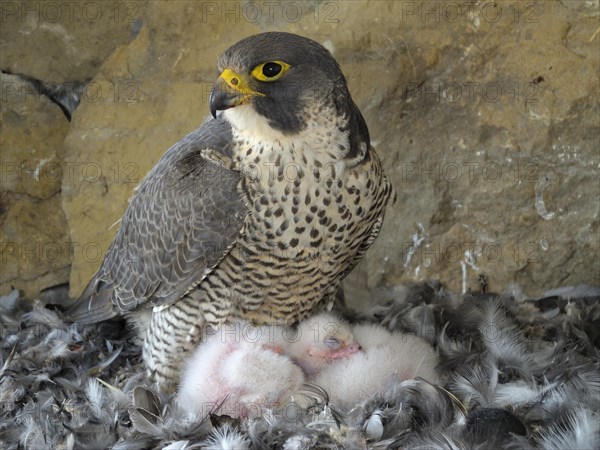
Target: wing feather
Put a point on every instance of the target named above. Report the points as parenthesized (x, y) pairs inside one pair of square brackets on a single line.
[(183, 217)]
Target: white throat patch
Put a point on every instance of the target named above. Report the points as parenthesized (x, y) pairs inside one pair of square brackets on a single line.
[(320, 141), (244, 117)]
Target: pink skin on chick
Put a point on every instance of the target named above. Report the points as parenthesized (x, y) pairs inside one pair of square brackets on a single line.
[(248, 369), (238, 373)]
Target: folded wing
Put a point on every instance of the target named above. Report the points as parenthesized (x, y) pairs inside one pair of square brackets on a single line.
[(180, 223)]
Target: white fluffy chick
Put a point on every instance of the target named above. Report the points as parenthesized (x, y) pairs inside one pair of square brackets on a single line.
[(241, 370), (385, 357), (236, 374)]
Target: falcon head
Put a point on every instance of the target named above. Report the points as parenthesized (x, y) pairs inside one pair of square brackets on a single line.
[(283, 84)]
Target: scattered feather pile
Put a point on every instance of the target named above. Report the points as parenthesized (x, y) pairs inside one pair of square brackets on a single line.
[(513, 373)]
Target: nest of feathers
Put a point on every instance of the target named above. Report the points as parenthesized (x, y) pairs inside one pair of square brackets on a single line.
[(517, 373)]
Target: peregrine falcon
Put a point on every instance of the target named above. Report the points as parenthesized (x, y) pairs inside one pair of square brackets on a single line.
[(257, 215)]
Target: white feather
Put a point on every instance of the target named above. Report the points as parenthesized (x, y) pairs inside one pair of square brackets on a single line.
[(44, 316), (70, 442), (32, 435), (177, 445), (515, 393), (502, 339), (226, 438), (95, 395), (58, 349), (582, 431), (476, 386)]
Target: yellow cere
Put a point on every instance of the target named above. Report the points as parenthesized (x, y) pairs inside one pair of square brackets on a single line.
[(237, 82), (270, 70)]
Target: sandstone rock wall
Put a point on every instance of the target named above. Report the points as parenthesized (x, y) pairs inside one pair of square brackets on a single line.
[(485, 114), (34, 235)]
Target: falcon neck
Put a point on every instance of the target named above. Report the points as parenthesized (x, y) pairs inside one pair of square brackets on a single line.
[(259, 151)]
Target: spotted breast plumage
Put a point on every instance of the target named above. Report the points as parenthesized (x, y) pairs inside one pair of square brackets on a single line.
[(256, 215)]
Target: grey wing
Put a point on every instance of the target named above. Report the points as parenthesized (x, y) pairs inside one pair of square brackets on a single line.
[(183, 218)]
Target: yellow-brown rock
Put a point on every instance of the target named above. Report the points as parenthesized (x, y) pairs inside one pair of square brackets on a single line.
[(485, 114), (35, 250), (63, 41)]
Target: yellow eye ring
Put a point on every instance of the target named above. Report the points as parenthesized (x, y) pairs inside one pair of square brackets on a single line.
[(270, 70)]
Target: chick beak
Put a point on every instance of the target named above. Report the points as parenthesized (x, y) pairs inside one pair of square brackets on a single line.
[(230, 90), (345, 351)]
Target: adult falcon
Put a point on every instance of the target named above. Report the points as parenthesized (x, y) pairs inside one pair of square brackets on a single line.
[(256, 215)]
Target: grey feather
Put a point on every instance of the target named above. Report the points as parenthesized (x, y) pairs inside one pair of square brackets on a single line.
[(182, 219), (47, 399)]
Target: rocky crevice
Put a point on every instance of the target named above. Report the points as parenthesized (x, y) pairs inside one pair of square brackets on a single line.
[(65, 95)]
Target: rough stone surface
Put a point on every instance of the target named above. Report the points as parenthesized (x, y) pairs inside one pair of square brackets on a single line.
[(63, 41), (34, 239), (485, 114), (495, 156)]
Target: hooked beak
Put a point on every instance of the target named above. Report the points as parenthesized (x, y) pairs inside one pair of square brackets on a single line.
[(230, 90)]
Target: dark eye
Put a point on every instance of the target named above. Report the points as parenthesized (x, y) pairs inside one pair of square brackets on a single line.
[(271, 69), (331, 342)]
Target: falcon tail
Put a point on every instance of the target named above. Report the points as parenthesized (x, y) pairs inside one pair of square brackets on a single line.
[(93, 305)]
